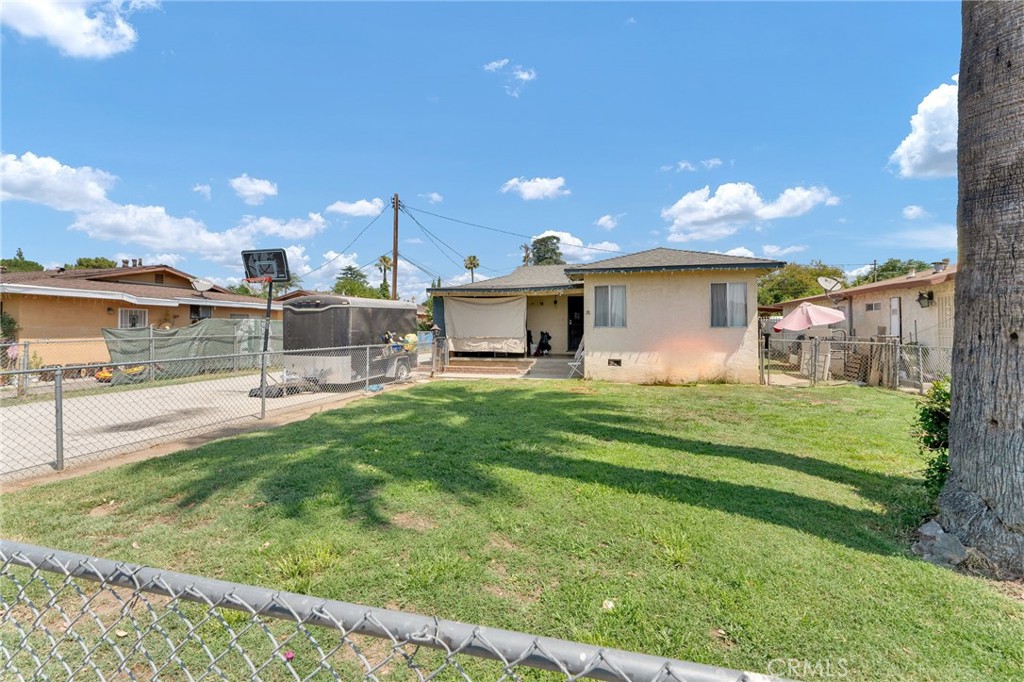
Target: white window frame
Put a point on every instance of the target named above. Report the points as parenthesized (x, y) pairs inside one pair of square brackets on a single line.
[(876, 306), (124, 316), (200, 309), (605, 291), (732, 321)]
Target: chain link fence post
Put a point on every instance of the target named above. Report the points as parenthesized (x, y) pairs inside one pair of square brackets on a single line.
[(58, 410), (263, 384), (152, 354), (367, 386), (920, 369), (814, 361), (23, 378)]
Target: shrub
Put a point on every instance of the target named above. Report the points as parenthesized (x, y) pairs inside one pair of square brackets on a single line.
[(933, 435)]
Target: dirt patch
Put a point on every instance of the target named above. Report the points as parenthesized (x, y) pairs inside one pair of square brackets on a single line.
[(1014, 589), (582, 389), (500, 542), (413, 521), (105, 509), (722, 638)]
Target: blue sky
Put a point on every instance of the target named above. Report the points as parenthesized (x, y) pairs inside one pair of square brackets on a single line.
[(183, 132)]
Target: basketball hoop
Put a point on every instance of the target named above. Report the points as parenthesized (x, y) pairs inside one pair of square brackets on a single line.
[(259, 280)]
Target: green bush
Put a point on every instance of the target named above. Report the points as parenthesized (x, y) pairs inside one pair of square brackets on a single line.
[(933, 435)]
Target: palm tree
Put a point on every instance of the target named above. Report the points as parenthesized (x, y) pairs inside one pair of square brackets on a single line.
[(527, 248), (384, 265), (472, 263), (983, 500)]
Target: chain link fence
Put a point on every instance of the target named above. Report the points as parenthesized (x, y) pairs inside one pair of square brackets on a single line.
[(70, 616), (78, 414), (871, 362)]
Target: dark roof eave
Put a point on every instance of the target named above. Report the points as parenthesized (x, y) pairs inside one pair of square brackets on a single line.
[(580, 272), (505, 290)]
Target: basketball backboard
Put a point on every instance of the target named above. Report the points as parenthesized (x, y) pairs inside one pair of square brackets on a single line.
[(272, 263)]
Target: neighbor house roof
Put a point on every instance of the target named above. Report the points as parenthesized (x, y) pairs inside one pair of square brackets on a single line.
[(923, 278), (522, 279), (106, 284), (663, 260)]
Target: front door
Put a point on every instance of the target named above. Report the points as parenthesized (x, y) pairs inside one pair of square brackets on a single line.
[(575, 322), (895, 328)]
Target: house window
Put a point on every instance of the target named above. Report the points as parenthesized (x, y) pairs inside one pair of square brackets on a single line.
[(132, 318), (869, 307), (610, 306), (199, 312), (729, 304)]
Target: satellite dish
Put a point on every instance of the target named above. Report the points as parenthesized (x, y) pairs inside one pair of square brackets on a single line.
[(830, 285), (202, 285)]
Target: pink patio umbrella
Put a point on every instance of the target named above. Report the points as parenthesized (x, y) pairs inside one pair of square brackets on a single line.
[(809, 315)]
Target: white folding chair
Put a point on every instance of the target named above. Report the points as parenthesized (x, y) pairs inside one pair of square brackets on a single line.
[(576, 364)]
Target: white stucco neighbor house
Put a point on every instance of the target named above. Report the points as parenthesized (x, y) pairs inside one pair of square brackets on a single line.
[(916, 307), (663, 315)]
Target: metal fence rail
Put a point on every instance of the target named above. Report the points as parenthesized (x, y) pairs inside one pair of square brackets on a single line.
[(71, 416), (71, 616), (872, 362)]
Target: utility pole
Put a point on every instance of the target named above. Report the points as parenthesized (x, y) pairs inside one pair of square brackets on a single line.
[(394, 254), (874, 263)]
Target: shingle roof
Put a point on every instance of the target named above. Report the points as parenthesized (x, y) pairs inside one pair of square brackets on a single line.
[(77, 280), (523, 278), (662, 259)]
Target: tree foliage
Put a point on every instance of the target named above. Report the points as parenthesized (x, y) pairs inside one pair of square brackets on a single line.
[(933, 435), (352, 281), (472, 263), (546, 251), (96, 262), (894, 267), (20, 264), (795, 281)]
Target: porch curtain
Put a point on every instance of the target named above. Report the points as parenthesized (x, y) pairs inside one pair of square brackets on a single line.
[(496, 325)]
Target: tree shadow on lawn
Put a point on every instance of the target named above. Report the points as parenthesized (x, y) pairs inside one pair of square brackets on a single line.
[(451, 437)]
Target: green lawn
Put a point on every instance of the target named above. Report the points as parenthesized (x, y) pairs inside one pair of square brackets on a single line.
[(730, 525)]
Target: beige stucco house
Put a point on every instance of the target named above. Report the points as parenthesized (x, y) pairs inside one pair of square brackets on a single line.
[(663, 315), (54, 305), (916, 307)]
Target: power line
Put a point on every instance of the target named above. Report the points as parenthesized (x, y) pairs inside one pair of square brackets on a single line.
[(435, 240), (349, 245), (495, 229)]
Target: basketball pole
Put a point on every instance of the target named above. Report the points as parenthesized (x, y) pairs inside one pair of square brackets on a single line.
[(263, 357), (394, 255)]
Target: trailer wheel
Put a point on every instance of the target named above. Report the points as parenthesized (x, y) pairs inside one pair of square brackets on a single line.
[(402, 371)]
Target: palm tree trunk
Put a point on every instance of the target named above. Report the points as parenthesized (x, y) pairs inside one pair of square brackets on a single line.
[(983, 501)]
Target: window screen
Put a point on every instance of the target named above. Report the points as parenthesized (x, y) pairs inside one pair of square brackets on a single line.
[(131, 318)]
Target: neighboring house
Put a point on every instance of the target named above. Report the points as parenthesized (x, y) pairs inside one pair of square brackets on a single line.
[(916, 307), (659, 315), (61, 304)]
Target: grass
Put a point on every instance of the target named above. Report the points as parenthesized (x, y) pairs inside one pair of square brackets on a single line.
[(729, 525)]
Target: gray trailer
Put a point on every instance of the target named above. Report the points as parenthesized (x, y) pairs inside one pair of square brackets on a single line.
[(353, 332)]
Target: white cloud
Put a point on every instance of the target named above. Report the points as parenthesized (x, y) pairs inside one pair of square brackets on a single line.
[(538, 188), (253, 191), (857, 272), (296, 228), (773, 251), (574, 250), (711, 163), (740, 251), (82, 191), (630, 21), (516, 77), (44, 180), (699, 215), (172, 259), (690, 167), (358, 208), (608, 222), (78, 28), (203, 190), (525, 75), (496, 65), (432, 197), (929, 151), (685, 166), (413, 240), (914, 212)]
